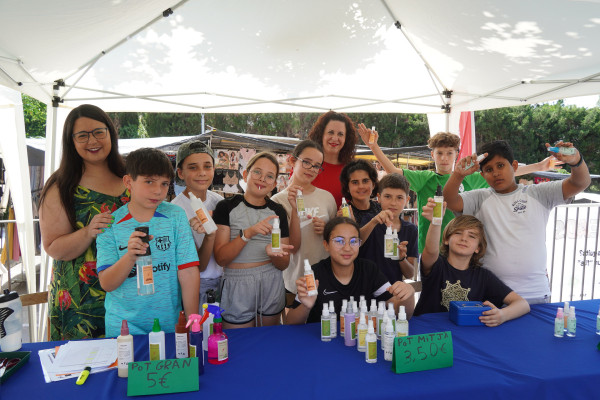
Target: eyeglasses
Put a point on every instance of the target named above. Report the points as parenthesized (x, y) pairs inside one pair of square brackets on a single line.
[(308, 165), (84, 136), (339, 242), (258, 174)]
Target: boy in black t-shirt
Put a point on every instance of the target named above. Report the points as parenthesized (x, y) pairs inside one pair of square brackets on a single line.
[(342, 275), (457, 275)]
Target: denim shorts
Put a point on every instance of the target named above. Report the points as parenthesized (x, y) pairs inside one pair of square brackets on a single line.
[(248, 292)]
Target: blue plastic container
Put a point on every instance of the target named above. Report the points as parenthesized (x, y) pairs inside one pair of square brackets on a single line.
[(467, 313)]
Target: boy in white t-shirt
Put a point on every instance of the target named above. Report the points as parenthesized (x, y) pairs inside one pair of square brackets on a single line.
[(515, 216), (196, 168)]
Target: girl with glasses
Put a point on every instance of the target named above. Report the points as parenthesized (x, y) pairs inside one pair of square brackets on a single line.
[(343, 275), (252, 290), (75, 206), (306, 160)]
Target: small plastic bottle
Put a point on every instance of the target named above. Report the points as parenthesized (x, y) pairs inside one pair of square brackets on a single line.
[(380, 315), (402, 323), (218, 345), (202, 214), (325, 324), (598, 323), (362, 333), (276, 236), (356, 316), (438, 209), (145, 274), (384, 323), (342, 317), (388, 339), (207, 326), (392, 315), (124, 350), (196, 341), (333, 318), (571, 323), (350, 326), (567, 151), (373, 313), (309, 275), (182, 345), (372, 135), (345, 208), (300, 204), (396, 242), (388, 243), (156, 341), (362, 300), (371, 339), (566, 309), (559, 323)]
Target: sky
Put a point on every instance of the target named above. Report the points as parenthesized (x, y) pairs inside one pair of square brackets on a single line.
[(584, 101)]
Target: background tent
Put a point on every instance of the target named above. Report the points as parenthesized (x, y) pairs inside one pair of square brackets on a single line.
[(284, 56)]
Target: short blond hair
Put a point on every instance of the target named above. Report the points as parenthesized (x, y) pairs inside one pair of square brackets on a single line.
[(459, 224), (444, 139)]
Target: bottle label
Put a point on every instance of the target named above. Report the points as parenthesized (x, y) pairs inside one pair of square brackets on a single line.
[(389, 245), (300, 204), (310, 282), (223, 351), (201, 216), (372, 350), (193, 351), (598, 325), (388, 347), (374, 318), (147, 274), (572, 325), (275, 240), (343, 321), (362, 338), (346, 211), (125, 354), (395, 249), (559, 327), (437, 210), (353, 330), (211, 328), (154, 351), (181, 345), (326, 327), (333, 326)]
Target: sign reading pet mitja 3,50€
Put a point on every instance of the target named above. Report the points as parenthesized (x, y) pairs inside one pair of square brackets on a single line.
[(162, 376), (423, 352)]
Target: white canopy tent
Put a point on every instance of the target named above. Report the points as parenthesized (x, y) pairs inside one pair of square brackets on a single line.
[(287, 56)]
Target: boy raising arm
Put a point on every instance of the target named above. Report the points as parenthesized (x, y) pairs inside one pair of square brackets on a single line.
[(174, 258)]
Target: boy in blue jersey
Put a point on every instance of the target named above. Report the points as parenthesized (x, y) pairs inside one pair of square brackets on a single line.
[(174, 257)]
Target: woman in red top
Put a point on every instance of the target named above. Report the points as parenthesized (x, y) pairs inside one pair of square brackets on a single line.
[(336, 132)]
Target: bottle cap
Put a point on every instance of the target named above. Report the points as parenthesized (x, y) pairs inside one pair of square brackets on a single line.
[(391, 312), (354, 307), (156, 326), (299, 193), (373, 305), (370, 328), (381, 308), (331, 306), (344, 305), (195, 321), (395, 232), (402, 313), (124, 328), (388, 231), (362, 319), (343, 200), (8, 296), (559, 313), (145, 239), (181, 319), (389, 327), (276, 223), (438, 191), (572, 311), (211, 296), (325, 310), (306, 266)]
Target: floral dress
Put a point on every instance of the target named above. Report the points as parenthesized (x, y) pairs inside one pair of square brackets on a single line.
[(76, 306)]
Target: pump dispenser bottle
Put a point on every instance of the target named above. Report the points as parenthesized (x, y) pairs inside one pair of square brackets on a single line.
[(362, 333), (333, 319), (350, 326), (559, 323), (309, 276), (343, 317), (156, 341), (388, 339), (300, 204), (571, 323), (371, 352), (402, 323), (345, 208), (124, 350), (438, 209), (276, 236), (196, 339), (325, 324), (218, 347), (388, 243), (396, 242)]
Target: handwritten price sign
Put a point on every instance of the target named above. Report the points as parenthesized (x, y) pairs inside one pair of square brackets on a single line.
[(422, 352), (162, 376)]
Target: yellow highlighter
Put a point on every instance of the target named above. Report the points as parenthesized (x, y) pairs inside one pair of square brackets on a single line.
[(83, 375)]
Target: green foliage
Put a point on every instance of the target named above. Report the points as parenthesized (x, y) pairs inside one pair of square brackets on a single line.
[(35, 117)]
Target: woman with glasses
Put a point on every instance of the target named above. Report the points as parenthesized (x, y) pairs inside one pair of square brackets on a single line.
[(343, 275), (336, 133), (252, 290), (319, 207), (75, 206)]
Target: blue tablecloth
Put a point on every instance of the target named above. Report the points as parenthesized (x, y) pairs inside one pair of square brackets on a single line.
[(519, 359)]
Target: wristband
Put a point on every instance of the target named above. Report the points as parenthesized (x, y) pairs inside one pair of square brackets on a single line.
[(244, 238), (578, 163), (402, 259)]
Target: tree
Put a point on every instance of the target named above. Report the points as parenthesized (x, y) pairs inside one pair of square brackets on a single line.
[(35, 117)]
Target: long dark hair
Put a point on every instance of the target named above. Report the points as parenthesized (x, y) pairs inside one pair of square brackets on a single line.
[(318, 130), (69, 173)]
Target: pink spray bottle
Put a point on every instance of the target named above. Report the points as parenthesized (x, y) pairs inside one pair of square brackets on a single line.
[(195, 347), (218, 347)]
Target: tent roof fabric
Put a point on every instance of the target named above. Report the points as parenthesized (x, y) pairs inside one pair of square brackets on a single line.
[(308, 56)]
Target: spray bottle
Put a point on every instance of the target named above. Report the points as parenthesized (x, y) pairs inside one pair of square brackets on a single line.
[(392, 315), (207, 326), (181, 337), (145, 276), (371, 353), (598, 323), (276, 236), (309, 276), (325, 324), (350, 326), (571, 323), (372, 135), (124, 350), (202, 214), (388, 341), (567, 151), (396, 242), (300, 204), (333, 318), (156, 341), (362, 333), (388, 240), (559, 323), (345, 208), (384, 323), (196, 339), (218, 348), (566, 309), (438, 209), (380, 315), (342, 317), (402, 323)]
